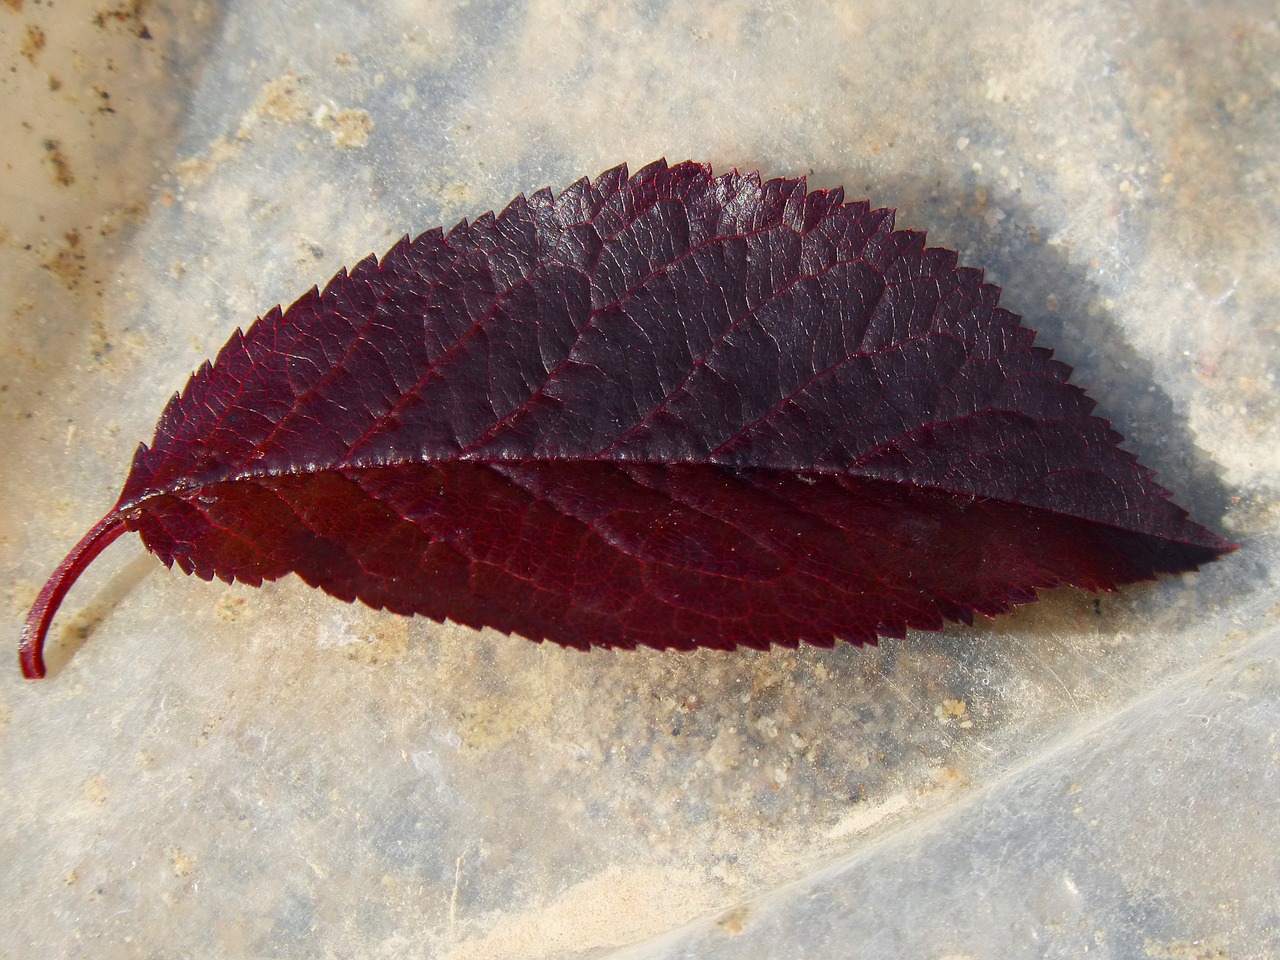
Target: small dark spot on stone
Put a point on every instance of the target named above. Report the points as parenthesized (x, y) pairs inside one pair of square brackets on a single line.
[(62, 174), (32, 43)]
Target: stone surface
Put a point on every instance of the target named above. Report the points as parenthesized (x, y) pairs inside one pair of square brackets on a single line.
[(223, 771)]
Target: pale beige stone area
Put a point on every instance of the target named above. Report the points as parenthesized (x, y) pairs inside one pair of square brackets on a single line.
[(216, 770)]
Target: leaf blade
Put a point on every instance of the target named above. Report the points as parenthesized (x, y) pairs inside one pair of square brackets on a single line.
[(588, 369), (635, 554)]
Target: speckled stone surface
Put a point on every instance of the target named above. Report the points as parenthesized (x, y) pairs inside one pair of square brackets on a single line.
[(224, 771)]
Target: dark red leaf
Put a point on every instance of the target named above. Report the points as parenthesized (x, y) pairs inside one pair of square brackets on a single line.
[(674, 410)]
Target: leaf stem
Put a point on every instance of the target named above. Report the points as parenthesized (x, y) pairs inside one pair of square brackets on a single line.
[(31, 650)]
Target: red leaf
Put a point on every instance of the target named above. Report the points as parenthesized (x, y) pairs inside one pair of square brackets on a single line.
[(671, 410)]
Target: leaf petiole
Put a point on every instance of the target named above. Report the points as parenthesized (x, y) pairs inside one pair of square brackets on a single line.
[(31, 650)]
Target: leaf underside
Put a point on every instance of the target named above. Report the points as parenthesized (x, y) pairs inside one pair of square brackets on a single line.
[(671, 410)]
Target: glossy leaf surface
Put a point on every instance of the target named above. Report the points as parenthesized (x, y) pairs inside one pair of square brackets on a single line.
[(670, 409)]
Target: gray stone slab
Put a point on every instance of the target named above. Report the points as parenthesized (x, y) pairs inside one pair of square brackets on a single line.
[(216, 770)]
